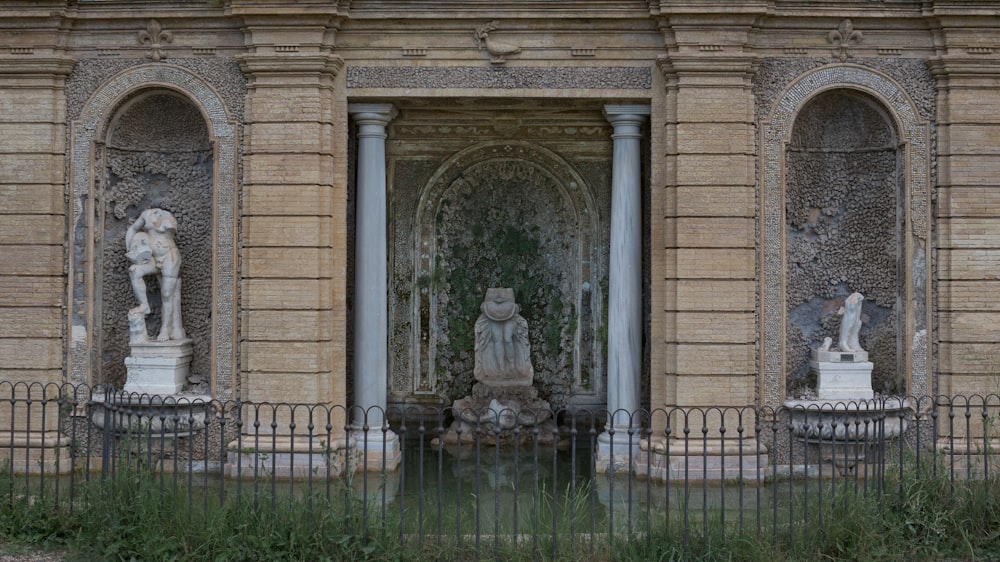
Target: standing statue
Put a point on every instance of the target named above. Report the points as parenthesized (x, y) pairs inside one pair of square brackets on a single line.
[(850, 325), (503, 353), (151, 249)]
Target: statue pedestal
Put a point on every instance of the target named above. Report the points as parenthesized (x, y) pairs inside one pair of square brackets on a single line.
[(842, 375), (158, 367)]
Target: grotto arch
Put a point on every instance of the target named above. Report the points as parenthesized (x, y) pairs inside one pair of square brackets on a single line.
[(153, 135), (509, 213), (844, 149)]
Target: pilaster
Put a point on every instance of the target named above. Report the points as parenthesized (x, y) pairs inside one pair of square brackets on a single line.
[(290, 255), (711, 251), (968, 216), (32, 232), (708, 253)]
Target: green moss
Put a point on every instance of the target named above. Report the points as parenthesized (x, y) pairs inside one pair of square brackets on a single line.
[(496, 254)]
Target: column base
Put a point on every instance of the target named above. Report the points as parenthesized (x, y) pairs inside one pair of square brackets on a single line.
[(375, 450), (971, 458), (616, 452)]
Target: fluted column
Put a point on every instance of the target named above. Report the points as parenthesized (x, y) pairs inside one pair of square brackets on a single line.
[(625, 282), (370, 281)]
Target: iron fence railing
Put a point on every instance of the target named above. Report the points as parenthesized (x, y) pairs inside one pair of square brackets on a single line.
[(424, 475)]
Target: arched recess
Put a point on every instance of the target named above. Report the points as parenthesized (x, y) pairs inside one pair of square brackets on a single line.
[(914, 226), (87, 181), (514, 214)]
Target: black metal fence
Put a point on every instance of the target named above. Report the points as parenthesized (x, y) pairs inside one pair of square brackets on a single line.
[(424, 474)]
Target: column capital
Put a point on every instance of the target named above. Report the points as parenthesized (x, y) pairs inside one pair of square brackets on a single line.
[(615, 112), (626, 119), (373, 113)]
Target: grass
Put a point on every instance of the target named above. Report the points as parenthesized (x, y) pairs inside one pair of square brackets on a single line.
[(129, 517)]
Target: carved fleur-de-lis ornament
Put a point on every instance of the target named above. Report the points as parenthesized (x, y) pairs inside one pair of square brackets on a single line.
[(843, 38), (155, 36)]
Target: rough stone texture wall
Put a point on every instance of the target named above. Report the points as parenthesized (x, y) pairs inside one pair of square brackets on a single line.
[(158, 155), (843, 225), (505, 224), (775, 73), (223, 73)]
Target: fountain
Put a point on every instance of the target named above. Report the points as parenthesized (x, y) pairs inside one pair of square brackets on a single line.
[(503, 398), (846, 418), (153, 398)]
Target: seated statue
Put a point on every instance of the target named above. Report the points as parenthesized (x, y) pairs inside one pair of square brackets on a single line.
[(503, 353), (151, 249)]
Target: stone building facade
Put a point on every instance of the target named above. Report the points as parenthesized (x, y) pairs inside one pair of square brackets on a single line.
[(681, 192)]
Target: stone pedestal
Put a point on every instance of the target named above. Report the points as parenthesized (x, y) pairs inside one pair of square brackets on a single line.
[(842, 375), (158, 367), (713, 460), (286, 457), (492, 413)]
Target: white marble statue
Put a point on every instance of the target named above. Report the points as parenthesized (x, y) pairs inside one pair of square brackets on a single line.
[(503, 353), (850, 325), (151, 249)]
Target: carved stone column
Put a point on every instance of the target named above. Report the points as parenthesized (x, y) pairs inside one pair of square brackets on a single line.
[(370, 285), (625, 284)]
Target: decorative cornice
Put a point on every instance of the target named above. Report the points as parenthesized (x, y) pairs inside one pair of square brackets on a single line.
[(33, 65), (292, 63), (284, 8), (963, 66), (675, 65)]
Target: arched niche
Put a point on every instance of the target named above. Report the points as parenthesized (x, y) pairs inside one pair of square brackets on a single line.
[(845, 206), (517, 215), (843, 183), (153, 136)]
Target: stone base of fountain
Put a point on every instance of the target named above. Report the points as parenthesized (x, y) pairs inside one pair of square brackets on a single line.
[(174, 415), (499, 414), (845, 432)]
